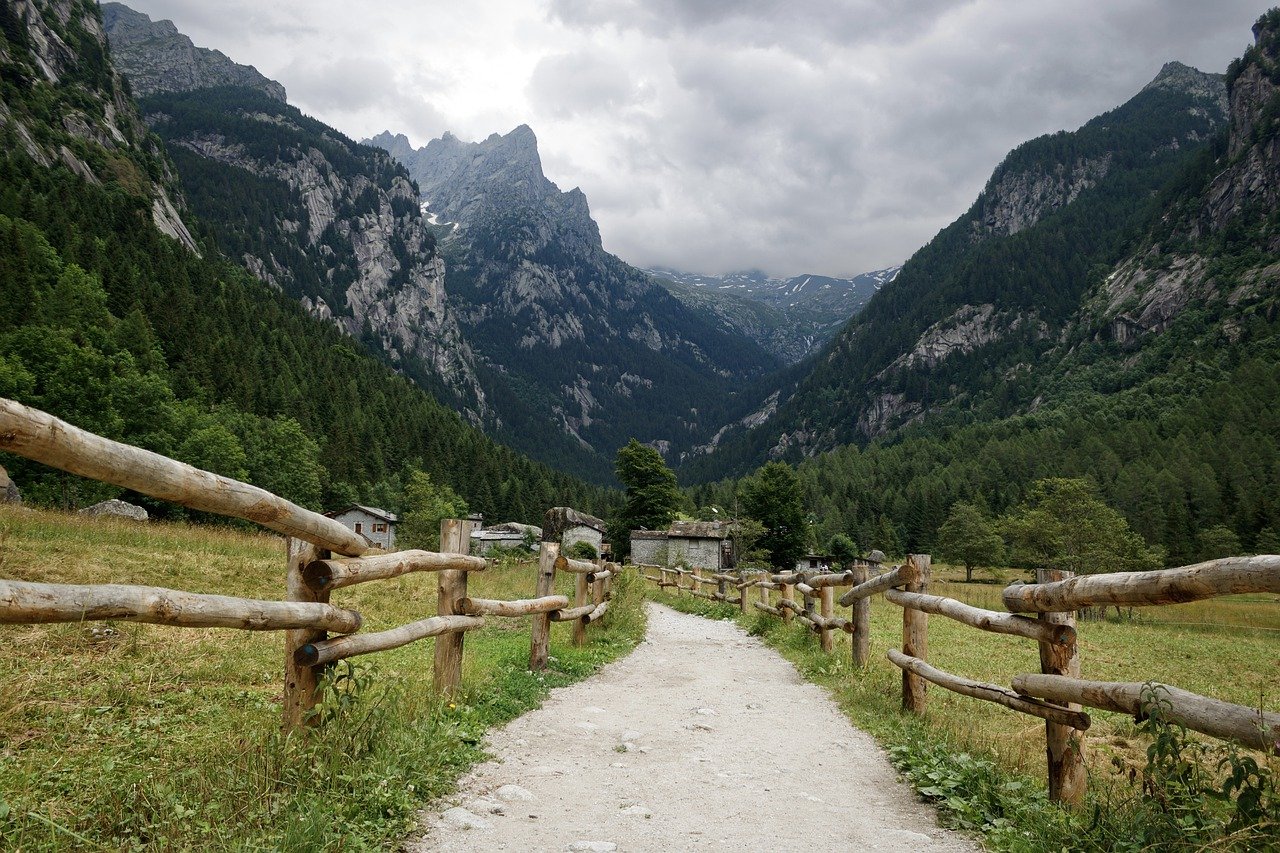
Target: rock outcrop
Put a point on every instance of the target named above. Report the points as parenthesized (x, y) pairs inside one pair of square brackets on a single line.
[(116, 509), (347, 239), (1147, 291), (38, 53), (9, 493), (157, 58)]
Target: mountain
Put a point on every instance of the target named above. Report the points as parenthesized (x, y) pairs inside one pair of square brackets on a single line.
[(333, 224), (155, 57), (593, 347), (975, 320), (789, 318), (110, 318)]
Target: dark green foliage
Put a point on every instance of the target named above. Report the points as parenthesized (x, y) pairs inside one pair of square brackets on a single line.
[(422, 507), (969, 537), (842, 549), (652, 497), (1063, 525), (774, 498)]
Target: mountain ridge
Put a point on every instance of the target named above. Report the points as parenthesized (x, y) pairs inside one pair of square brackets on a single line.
[(603, 349), (969, 310)]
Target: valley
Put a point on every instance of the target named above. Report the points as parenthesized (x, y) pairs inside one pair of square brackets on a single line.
[(364, 289)]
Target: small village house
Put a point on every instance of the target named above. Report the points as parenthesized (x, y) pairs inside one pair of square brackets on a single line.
[(698, 544), (510, 534), (377, 526), (568, 526)]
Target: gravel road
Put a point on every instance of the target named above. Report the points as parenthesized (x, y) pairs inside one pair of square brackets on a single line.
[(703, 738)]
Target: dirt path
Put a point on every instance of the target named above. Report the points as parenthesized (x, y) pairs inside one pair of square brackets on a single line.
[(702, 739)]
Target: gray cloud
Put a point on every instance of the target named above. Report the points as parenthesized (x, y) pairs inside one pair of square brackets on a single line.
[(827, 136)]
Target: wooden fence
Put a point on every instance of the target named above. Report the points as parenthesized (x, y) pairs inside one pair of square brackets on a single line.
[(323, 555), (1043, 612)]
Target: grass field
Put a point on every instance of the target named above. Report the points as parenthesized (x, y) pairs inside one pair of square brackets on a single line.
[(1226, 648), (127, 736)]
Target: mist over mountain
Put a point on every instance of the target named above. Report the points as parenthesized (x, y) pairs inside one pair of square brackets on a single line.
[(976, 317), (790, 317)]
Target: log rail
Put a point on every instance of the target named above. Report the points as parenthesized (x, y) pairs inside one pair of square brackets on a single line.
[(1042, 612), (322, 555)]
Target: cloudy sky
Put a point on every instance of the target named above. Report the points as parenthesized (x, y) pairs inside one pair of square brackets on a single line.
[(822, 136)]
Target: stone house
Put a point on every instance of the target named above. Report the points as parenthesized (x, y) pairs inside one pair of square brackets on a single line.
[(815, 563), (568, 526), (510, 534), (699, 544), (377, 526)]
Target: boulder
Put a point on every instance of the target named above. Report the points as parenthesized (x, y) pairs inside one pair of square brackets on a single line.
[(118, 509), (9, 493)]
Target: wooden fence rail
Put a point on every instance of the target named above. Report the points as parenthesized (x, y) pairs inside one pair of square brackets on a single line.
[(43, 438), (312, 570), (1057, 693)]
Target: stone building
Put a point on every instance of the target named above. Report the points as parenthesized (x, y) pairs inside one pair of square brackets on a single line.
[(697, 544), (510, 534), (377, 526), (568, 526)]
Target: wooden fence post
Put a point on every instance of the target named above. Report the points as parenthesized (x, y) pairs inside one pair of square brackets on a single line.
[(455, 538), (764, 594), (788, 594), (300, 680), (861, 640), (1063, 745), (915, 638), (827, 599), (743, 602), (540, 645), (579, 599), (597, 591)]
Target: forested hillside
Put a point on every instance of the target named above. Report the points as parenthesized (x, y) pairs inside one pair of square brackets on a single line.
[(110, 323), (1161, 379), (974, 314)]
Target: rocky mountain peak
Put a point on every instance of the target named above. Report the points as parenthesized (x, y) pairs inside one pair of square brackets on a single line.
[(1183, 78), (156, 57)]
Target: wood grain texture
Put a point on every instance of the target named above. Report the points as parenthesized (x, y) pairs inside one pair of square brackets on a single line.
[(1227, 576)]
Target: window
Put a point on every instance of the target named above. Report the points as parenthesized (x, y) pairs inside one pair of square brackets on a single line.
[(359, 527), (379, 527)]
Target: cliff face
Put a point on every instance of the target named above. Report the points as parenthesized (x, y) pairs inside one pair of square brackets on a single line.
[(1175, 268), (157, 58), (60, 60), (601, 351), (335, 224)]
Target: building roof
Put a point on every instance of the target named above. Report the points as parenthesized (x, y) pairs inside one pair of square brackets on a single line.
[(648, 534), (699, 530), (559, 519), (368, 510), (516, 527)]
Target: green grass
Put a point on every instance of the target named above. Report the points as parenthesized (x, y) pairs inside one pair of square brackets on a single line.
[(998, 753), (148, 737)]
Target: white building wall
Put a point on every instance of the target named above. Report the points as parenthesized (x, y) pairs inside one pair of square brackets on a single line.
[(386, 540)]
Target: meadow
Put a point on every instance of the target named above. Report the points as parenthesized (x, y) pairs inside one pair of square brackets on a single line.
[(1227, 648), (140, 737)]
